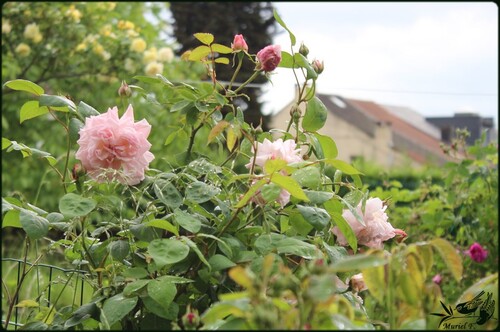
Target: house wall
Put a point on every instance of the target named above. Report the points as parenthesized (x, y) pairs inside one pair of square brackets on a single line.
[(353, 142)]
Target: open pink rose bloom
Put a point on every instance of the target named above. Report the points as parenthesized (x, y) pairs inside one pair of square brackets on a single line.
[(269, 57), (278, 149), (377, 229), (115, 148)]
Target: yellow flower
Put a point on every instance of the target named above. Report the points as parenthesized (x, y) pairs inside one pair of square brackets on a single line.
[(149, 55), (75, 14), (154, 68), (125, 25), (106, 30), (31, 31), (138, 45), (132, 33), (23, 50), (6, 27), (165, 54), (81, 47)]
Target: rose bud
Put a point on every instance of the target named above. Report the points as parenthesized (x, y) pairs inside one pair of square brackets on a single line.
[(239, 44), (269, 58)]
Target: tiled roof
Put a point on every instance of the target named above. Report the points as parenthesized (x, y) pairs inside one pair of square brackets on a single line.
[(404, 129)]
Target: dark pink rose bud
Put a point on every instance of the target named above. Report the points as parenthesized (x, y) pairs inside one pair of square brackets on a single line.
[(477, 253), (239, 44), (269, 58), (437, 279), (124, 90)]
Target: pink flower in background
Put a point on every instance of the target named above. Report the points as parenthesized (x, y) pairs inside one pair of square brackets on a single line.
[(437, 279), (283, 197), (239, 44), (377, 229), (269, 58), (357, 283), (278, 149), (109, 144), (477, 253)]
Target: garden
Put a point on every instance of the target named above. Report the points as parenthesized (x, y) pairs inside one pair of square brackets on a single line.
[(136, 196)]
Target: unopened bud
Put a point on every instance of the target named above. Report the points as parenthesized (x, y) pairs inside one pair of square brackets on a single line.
[(295, 113), (303, 50), (318, 66), (191, 320), (124, 90), (77, 171)]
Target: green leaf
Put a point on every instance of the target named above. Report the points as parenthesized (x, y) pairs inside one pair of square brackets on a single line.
[(342, 224), (119, 250), (220, 262), (74, 128), (343, 166), (221, 48), (169, 313), (199, 53), (6, 143), (181, 105), (205, 38), (147, 79), (287, 60), (167, 193), (280, 22), (360, 262), (35, 226), (135, 272), (86, 110), (250, 193), (200, 192), (56, 101), (198, 252), (450, 257), (187, 221), (270, 192), (328, 145), (315, 116), (274, 165), (309, 177), (135, 286), (24, 85), (31, 109), (297, 247), (79, 315), (223, 60), (163, 224), (216, 130), (302, 62), (175, 279), (221, 310), (73, 205), (11, 219), (317, 217), (290, 185), (374, 279), (299, 224), (162, 291), (117, 307), (167, 251), (318, 197)]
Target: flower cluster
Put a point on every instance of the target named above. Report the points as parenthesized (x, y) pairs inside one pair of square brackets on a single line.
[(376, 230), (109, 144)]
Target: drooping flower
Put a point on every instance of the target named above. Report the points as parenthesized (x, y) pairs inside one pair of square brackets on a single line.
[(239, 44), (477, 253), (377, 229), (357, 283), (138, 45), (23, 50), (115, 148), (269, 58), (278, 149)]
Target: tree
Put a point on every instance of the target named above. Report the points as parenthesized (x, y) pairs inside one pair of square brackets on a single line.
[(226, 19)]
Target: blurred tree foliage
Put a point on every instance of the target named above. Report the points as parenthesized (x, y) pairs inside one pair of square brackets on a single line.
[(225, 20), (83, 50)]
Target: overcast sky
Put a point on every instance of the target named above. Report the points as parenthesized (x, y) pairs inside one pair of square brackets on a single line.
[(436, 58)]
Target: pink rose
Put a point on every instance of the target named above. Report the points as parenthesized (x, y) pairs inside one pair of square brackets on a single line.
[(239, 44), (437, 279), (276, 150), (477, 253), (377, 228), (283, 197), (269, 58), (115, 148)]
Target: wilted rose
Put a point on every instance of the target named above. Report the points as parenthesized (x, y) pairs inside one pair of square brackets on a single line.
[(269, 58), (115, 148)]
